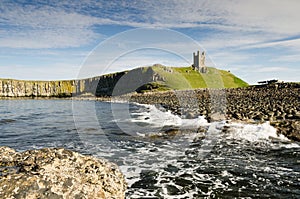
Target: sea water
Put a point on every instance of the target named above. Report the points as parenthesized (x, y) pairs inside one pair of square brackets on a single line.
[(161, 155)]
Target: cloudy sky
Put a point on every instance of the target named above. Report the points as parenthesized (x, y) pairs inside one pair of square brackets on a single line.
[(256, 40)]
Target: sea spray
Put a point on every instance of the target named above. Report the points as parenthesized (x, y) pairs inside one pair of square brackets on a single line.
[(236, 165)]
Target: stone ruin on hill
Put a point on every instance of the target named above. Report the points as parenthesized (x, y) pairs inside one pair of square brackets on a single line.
[(199, 62)]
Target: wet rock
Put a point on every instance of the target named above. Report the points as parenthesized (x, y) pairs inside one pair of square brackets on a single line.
[(171, 169), (148, 180), (190, 115), (183, 182), (57, 173), (274, 103), (172, 190), (289, 128), (216, 117)]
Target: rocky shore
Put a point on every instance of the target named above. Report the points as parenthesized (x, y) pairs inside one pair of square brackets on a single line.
[(277, 103), (58, 173)]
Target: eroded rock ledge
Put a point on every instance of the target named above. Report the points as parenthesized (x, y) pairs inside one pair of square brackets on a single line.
[(58, 173)]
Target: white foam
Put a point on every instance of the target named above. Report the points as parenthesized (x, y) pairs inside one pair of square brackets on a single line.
[(160, 118), (254, 132), (132, 174), (171, 150), (225, 173), (156, 117), (292, 145)]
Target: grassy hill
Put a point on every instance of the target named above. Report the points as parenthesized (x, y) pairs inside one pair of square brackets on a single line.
[(153, 78), (181, 78)]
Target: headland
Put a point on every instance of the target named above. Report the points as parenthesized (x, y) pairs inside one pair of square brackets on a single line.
[(185, 91)]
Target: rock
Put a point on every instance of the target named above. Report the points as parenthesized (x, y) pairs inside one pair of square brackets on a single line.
[(296, 115), (148, 180), (254, 103), (289, 128), (216, 117), (172, 190), (204, 112), (190, 115), (58, 173)]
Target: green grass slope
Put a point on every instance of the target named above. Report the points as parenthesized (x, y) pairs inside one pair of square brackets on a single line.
[(165, 78), (186, 78)]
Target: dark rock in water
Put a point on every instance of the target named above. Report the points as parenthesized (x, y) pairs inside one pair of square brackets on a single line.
[(172, 190), (148, 180), (225, 129), (171, 169), (166, 132), (58, 173), (183, 182), (153, 150)]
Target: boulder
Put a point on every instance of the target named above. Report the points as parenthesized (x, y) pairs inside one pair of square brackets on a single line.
[(58, 173)]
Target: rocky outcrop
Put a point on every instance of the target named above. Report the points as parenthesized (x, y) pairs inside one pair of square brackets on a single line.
[(277, 103), (58, 173), (20, 88)]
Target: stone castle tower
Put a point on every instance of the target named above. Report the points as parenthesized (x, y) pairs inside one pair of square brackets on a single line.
[(199, 62)]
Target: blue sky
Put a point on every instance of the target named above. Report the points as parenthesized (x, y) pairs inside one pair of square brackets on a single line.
[(256, 40)]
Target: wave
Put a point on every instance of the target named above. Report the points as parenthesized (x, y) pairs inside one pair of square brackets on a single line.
[(216, 156), (253, 132), (159, 117)]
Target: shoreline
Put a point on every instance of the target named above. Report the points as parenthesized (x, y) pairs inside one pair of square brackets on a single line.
[(278, 104)]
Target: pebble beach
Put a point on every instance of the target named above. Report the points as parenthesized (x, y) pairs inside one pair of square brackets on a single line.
[(278, 104)]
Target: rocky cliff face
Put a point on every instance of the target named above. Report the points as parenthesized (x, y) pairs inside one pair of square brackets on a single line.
[(19, 88), (58, 173), (105, 85)]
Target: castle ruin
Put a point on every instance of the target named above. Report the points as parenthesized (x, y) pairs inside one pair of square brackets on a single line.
[(199, 62)]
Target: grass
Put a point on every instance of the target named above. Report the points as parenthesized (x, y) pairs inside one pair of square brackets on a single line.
[(187, 78), (172, 78)]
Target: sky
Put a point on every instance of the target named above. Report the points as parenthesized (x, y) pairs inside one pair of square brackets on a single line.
[(50, 40)]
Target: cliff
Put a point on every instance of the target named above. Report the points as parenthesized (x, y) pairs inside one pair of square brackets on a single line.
[(22, 88), (105, 85), (144, 79)]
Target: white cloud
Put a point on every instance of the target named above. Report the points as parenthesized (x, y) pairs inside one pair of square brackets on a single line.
[(52, 38), (286, 58), (292, 44), (221, 27), (55, 71), (28, 27), (69, 24), (254, 73), (228, 59), (271, 69), (274, 16), (269, 16)]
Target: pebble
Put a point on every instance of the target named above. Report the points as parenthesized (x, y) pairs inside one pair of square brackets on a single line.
[(279, 104)]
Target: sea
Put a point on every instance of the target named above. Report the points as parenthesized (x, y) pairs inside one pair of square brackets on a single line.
[(161, 155)]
